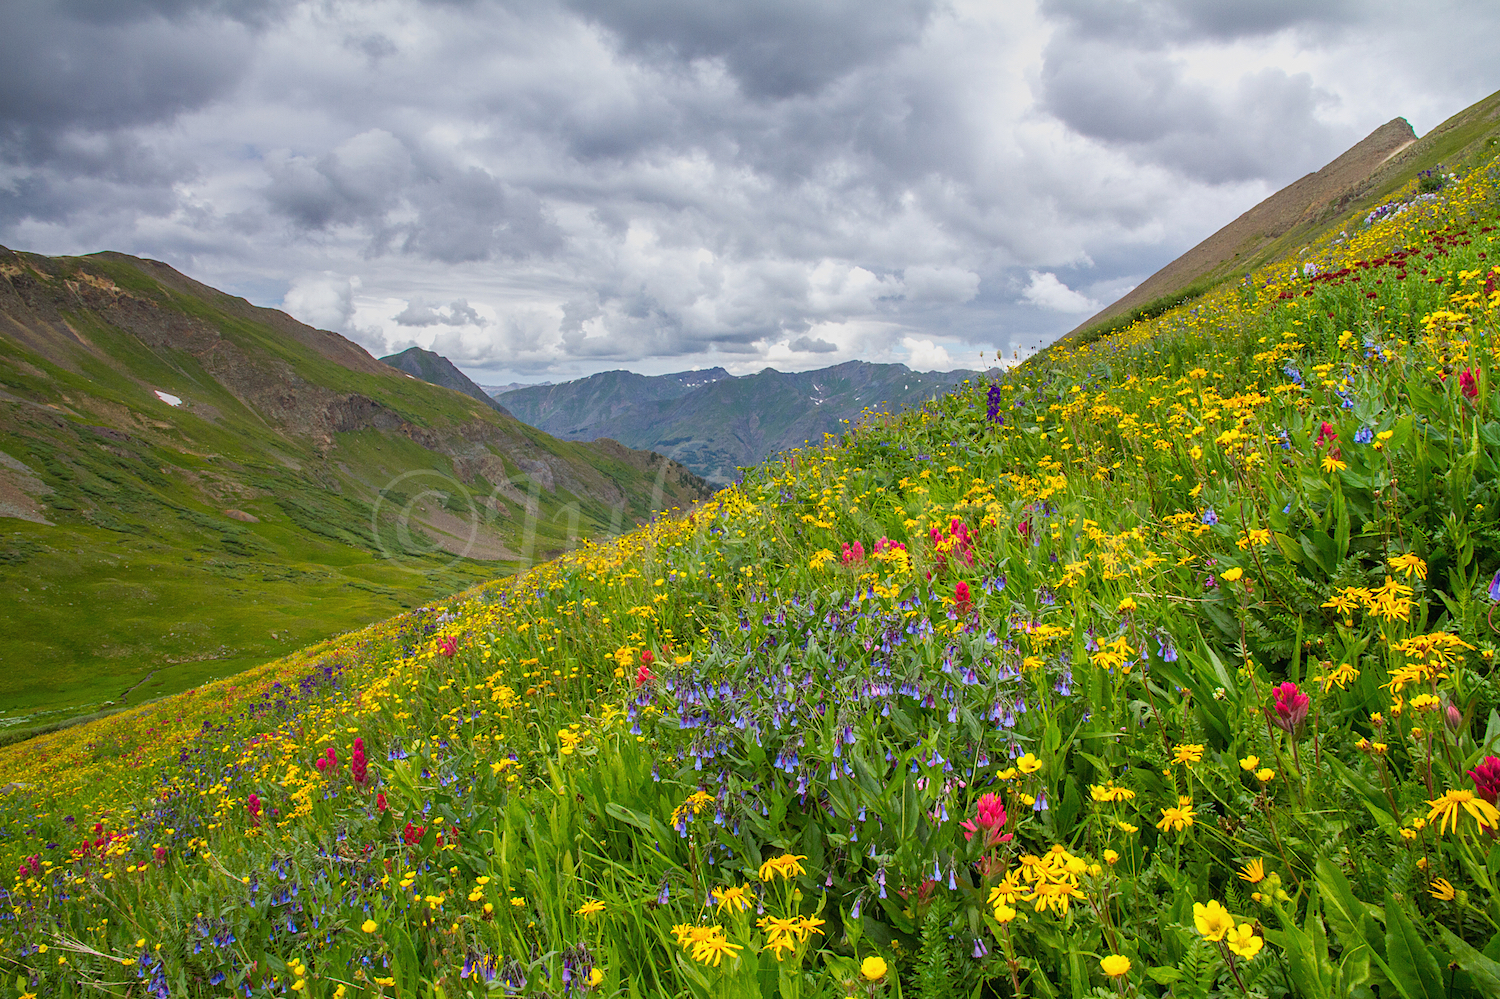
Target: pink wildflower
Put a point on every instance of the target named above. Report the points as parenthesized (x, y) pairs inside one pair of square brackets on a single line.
[(1290, 709), (358, 767), (989, 816), (1486, 777), (962, 602)]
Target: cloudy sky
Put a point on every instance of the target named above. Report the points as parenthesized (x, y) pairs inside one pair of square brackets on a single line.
[(542, 189)]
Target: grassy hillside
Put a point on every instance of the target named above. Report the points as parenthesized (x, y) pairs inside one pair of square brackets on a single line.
[(1162, 666), (191, 486)]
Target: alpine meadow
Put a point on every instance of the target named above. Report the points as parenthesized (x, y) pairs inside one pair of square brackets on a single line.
[(1162, 664)]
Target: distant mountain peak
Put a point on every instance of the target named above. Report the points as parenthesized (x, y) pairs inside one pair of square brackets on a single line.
[(438, 370)]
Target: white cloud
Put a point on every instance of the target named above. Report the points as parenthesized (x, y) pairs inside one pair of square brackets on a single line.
[(324, 301), (924, 355), (1045, 291)]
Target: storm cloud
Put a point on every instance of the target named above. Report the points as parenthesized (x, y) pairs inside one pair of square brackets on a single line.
[(550, 188)]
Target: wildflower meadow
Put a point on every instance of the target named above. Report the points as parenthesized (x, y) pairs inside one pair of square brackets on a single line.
[(1161, 665)]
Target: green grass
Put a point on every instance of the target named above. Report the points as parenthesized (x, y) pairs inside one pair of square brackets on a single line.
[(1141, 313), (92, 612)]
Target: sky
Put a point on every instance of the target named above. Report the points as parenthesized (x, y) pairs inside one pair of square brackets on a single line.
[(544, 189)]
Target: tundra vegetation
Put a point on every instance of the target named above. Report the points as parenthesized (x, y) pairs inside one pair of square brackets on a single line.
[(1161, 667)]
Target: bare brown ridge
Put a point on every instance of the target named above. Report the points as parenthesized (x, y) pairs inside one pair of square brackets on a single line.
[(1374, 168)]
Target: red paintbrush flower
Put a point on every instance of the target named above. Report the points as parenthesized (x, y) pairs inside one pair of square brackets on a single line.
[(1290, 710), (962, 601)]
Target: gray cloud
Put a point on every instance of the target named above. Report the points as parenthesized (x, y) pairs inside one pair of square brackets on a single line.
[(812, 345), (459, 313), (404, 199), (774, 49), (250, 12), (1163, 23), (106, 66), (1267, 126), (671, 183)]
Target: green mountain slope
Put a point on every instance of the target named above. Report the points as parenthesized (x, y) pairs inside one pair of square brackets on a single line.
[(190, 485), (1390, 164), (715, 423), (437, 369)]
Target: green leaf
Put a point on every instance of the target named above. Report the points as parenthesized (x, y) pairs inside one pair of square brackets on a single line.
[(1078, 974), (1345, 911), (1051, 738), (1304, 964), (645, 823), (1341, 525), (1371, 795), (1483, 970), (1409, 964), (1491, 731)]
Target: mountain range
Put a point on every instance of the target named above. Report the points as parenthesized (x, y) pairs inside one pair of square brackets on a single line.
[(716, 423), (192, 484)]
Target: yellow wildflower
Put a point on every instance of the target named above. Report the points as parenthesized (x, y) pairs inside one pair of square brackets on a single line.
[(1408, 565), (784, 866), (1178, 818), (1243, 941), (1188, 753), (1447, 808), (735, 898), (1110, 793), (1213, 920)]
